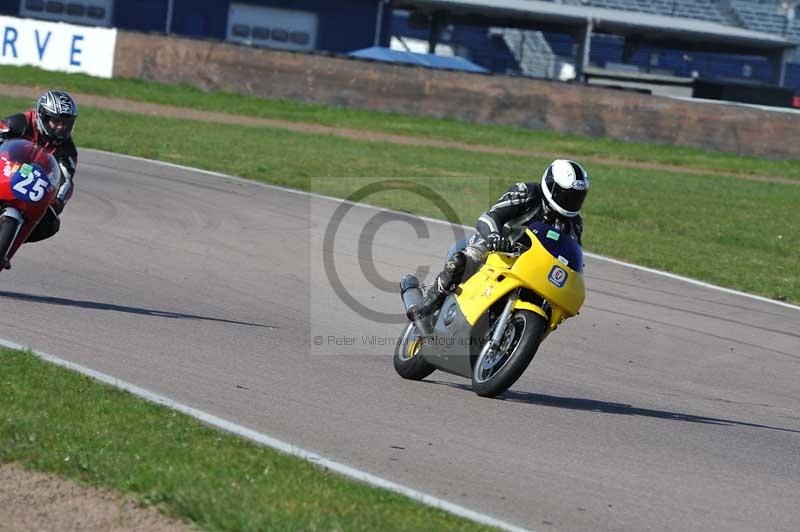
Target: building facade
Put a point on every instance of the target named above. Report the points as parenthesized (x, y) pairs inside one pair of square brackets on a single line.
[(304, 25)]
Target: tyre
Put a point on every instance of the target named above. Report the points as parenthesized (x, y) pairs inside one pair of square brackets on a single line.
[(495, 372), (8, 231), (407, 363)]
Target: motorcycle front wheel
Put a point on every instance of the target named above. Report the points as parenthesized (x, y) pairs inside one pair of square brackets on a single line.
[(496, 370), (407, 362), (9, 227)]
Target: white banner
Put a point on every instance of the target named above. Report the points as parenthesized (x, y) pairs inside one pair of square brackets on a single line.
[(57, 46)]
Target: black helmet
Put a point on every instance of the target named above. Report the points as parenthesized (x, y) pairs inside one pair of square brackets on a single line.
[(56, 112), (565, 184)]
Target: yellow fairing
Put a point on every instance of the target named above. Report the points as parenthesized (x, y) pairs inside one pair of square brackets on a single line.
[(501, 274)]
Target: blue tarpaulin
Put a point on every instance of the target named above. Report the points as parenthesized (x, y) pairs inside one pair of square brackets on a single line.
[(378, 53)]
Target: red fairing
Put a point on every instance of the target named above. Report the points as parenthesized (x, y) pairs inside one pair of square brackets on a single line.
[(64, 152), (29, 178)]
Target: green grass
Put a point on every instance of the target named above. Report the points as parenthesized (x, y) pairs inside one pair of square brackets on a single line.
[(58, 421), (503, 136), (724, 230)]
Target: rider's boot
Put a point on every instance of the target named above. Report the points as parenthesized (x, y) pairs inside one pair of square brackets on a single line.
[(443, 285), (434, 297)]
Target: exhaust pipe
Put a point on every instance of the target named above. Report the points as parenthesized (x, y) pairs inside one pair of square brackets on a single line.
[(410, 292), (412, 299)]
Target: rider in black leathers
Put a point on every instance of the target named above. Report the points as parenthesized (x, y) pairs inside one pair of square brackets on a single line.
[(556, 200)]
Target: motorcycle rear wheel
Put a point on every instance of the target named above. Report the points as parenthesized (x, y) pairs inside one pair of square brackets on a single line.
[(407, 362), (494, 373)]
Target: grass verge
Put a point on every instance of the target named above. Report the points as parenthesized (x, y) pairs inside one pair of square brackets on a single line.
[(58, 421), (724, 230), (490, 135)]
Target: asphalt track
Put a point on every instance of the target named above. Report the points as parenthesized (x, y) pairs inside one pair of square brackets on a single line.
[(664, 406)]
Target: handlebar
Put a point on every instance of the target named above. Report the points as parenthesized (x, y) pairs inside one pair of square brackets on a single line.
[(518, 249)]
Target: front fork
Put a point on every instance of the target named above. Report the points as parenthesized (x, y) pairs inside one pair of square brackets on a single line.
[(502, 321)]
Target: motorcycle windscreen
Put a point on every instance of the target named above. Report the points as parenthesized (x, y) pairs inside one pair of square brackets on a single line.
[(561, 246), (16, 153)]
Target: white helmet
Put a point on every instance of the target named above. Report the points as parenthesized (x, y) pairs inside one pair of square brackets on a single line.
[(564, 185)]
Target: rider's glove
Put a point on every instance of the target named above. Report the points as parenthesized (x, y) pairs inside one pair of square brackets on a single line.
[(498, 242)]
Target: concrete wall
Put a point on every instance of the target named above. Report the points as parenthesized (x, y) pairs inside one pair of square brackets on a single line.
[(568, 108)]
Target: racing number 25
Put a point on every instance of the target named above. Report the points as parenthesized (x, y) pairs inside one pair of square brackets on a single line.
[(39, 188)]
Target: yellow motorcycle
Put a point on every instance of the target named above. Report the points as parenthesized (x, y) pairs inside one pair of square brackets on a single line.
[(490, 327)]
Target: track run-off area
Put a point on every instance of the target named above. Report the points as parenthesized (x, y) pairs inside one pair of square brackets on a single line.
[(665, 405)]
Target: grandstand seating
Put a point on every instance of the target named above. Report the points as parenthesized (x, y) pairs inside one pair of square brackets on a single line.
[(768, 16), (531, 51), (761, 16), (695, 9), (514, 51)]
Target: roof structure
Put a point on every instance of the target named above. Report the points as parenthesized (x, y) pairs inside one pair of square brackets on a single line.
[(639, 29), (536, 14), (387, 55)]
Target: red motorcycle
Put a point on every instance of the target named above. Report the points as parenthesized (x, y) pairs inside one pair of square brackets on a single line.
[(29, 179)]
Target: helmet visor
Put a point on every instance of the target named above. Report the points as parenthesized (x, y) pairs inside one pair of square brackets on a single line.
[(60, 126), (569, 199)]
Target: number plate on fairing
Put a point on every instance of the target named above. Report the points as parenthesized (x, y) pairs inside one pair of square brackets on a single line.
[(30, 183), (558, 276)]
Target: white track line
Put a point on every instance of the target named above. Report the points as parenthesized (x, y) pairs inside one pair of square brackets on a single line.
[(693, 281), (276, 444), (434, 220)]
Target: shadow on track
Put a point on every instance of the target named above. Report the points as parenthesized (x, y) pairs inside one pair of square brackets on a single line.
[(96, 305), (590, 405)]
